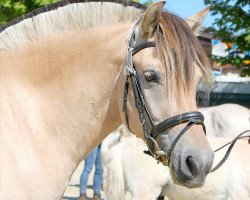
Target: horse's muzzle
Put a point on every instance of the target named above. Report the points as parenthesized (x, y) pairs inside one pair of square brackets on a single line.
[(190, 167)]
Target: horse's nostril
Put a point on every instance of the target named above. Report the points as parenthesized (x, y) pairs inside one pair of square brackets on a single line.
[(191, 165)]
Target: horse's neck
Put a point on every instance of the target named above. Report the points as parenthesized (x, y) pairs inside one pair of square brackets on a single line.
[(57, 95)]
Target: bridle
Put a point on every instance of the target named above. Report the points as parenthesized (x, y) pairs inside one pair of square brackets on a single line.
[(191, 118)]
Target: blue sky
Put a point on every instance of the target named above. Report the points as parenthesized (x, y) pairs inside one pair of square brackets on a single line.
[(186, 8)]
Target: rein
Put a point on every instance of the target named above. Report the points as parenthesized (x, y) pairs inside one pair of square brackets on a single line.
[(231, 144), (191, 118)]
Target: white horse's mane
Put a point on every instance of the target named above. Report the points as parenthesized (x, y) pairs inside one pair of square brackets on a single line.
[(71, 16)]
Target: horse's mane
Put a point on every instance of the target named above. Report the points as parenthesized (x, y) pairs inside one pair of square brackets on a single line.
[(67, 15), (180, 51), (176, 43)]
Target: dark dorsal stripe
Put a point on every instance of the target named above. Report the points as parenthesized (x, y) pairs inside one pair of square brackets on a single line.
[(63, 3)]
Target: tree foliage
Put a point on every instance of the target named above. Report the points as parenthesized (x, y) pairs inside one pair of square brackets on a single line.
[(11, 9), (232, 26), (148, 2)]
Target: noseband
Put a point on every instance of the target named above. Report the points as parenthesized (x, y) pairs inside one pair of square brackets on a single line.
[(191, 118)]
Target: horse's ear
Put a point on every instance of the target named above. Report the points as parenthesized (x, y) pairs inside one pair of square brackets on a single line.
[(196, 20), (151, 19)]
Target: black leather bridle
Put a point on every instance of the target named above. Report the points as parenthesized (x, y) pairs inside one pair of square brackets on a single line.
[(191, 118)]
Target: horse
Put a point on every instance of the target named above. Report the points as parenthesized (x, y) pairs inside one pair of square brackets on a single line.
[(64, 71), (226, 120), (128, 169), (126, 172)]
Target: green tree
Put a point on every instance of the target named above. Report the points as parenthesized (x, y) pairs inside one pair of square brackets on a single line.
[(148, 2), (232, 25), (11, 9)]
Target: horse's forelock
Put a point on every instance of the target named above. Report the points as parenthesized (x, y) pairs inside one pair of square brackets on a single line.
[(180, 50)]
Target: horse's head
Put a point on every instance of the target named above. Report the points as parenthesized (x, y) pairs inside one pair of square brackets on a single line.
[(164, 65)]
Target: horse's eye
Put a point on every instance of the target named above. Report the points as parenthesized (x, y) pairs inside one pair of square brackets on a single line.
[(151, 76)]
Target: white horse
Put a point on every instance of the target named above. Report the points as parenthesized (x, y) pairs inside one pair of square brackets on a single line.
[(128, 169), (62, 82), (226, 120)]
